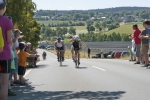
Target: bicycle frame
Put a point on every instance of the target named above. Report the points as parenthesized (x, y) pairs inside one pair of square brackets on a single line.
[(60, 56)]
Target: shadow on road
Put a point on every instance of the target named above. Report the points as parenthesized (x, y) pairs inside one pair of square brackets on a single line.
[(27, 93), (82, 67)]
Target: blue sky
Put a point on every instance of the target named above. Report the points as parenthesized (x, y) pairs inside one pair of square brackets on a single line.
[(87, 4)]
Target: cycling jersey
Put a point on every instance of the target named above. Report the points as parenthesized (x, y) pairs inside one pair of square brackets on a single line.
[(76, 45), (59, 45)]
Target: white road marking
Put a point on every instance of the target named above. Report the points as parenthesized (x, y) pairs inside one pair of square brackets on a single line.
[(99, 68), (28, 71)]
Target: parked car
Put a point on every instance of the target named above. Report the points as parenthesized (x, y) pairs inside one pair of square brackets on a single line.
[(42, 47), (125, 53), (50, 48), (107, 53), (117, 54), (94, 56), (111, 55), (97, 55)]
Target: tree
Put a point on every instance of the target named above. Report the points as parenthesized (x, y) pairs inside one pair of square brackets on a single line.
[(72, 31), (22, 15)]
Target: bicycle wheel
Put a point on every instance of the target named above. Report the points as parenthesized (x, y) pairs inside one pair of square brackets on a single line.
[(60, 59)]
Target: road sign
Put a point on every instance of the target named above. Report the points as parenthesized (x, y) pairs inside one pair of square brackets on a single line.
[(84, 45)]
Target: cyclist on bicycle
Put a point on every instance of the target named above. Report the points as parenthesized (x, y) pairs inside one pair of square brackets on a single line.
[(44, 55), (72, 47), (59, 45), (76, 47)]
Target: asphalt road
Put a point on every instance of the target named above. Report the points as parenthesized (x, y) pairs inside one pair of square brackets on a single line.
[(96, 79)]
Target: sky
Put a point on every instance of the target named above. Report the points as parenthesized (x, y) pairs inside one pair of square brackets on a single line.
[(87, 4)]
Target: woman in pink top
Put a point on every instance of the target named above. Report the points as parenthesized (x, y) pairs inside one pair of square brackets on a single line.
[(5, 55)]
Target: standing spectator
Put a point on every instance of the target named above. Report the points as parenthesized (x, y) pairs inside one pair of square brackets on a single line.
[(145, 43), (89, 51), (22, 56), (137, 40), (133, 47), (131, 53), (1, 40), (16, 48), (5, 55)]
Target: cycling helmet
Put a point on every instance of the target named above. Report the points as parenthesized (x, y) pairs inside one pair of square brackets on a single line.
[(77, 37), (59, 38)]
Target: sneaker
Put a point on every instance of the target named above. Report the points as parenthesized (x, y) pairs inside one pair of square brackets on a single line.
[(137, 63), (23, 83), (145, 65), (16, 82)]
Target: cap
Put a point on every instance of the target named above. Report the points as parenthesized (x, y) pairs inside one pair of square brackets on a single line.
[(2, 3), (17, 30), (21, 46), (28, 43)]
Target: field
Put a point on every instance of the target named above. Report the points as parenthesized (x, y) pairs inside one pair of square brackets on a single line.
[(126, 28)]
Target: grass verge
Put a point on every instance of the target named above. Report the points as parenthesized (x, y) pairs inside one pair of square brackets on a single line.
[(68, 54)]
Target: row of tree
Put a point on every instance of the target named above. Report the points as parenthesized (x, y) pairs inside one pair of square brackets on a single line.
[(91, 37), (47, 33), (22, 12), (66, 24)]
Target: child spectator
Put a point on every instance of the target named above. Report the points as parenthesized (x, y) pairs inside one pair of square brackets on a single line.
[(131, 53), (10, 92), (22, 56), (5, 55)]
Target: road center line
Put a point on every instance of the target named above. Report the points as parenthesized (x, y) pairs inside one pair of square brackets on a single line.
[(99, 68)]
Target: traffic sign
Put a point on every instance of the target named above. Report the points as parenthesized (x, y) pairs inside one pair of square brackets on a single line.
[(84, 45)]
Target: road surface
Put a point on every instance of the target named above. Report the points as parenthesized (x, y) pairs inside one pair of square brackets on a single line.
[(96, 79)]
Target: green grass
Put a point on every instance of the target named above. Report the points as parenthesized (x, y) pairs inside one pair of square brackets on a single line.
[(50, 22), (126, 28)]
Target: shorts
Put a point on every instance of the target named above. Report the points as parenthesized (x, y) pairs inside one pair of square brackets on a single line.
[(5, 66), (144, 48), (138, 47), (59, 48), (15, 71), (10, 74), (21, 70), (76, 48)]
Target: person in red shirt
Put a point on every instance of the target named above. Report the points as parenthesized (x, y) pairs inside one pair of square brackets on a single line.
[(137, 40)]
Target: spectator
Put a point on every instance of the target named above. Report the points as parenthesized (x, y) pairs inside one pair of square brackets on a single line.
[(89, 51), (145, 43), (133, 47), (30, 59), (10, 91), (137, 40), (5, 55), (131, 53), (16, 48), (22, 56), (35, 60), (1, 40)]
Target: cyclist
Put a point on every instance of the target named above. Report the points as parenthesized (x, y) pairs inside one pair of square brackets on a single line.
[(76, 47), (44, 55), (72, 47), (59, 45)]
